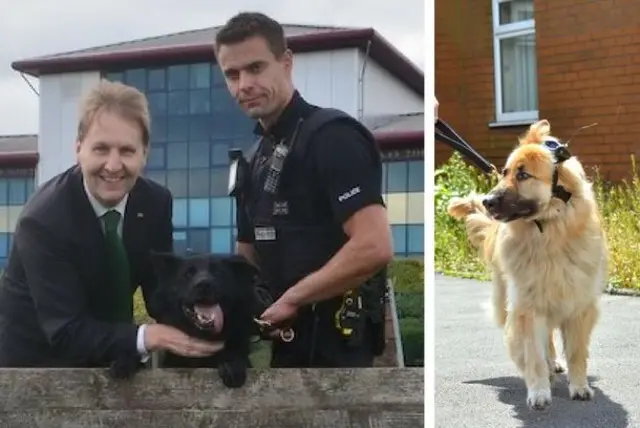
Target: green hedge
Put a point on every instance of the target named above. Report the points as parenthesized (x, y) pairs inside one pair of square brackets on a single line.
[(408, 277)]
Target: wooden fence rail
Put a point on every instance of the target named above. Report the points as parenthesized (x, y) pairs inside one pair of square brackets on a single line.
[(163, 398)]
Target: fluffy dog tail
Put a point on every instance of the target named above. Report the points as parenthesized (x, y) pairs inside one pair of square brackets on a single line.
[(480, 226)]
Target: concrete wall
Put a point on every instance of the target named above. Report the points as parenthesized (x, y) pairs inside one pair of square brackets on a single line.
[(318, 398)]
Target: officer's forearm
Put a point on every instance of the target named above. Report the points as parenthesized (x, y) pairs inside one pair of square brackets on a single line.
[(357, 261)]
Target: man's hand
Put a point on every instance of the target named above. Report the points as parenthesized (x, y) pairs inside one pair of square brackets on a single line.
[(280, 311), (160, 336)]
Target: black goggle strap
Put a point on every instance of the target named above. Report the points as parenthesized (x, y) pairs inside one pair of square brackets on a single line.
[(446, 134), (560, 153)]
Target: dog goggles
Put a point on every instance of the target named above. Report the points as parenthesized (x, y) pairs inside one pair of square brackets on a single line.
[(559, 151)]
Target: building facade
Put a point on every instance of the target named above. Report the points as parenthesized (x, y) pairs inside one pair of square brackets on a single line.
[(195, 121), (502, 64)]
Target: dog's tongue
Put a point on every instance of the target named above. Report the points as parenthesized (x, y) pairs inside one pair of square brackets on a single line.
[(210, 315)]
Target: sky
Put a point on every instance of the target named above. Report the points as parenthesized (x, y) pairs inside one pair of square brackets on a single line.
[(39, 27)]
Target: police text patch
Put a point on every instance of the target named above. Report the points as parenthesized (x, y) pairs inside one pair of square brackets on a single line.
[(349, 194)]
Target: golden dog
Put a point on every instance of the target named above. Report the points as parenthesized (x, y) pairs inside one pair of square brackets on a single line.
[(539, 231)]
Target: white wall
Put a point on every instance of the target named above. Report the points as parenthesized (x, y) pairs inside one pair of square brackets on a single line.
[(385, 93), (329, 78), (60, 96)]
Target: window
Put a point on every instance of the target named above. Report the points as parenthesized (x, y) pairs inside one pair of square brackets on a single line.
[(16, 186), (403, 187), (515, 67)]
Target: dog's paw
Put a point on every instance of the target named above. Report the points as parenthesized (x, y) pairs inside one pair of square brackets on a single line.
[(233, 373), (554, 368), (123, 368), (582, 393), (539, 398), (459, 207)]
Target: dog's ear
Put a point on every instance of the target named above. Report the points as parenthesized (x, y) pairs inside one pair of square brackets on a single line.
[(165, 265), (242, 268)]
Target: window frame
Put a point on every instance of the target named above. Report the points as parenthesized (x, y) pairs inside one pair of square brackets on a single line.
[(502, 32)]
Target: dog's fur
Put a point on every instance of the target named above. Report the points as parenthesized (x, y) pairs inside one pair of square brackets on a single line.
[(542, 279), (225, 282)]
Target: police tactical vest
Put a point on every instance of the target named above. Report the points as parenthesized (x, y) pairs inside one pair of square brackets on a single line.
[(290, 241)]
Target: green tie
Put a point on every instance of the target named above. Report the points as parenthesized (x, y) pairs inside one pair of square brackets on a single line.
[(118, 263)]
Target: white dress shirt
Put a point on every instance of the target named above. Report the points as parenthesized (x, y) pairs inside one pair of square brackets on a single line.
[(100, 211)]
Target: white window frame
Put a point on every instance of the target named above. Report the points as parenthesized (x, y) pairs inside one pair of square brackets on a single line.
[(500, 32)]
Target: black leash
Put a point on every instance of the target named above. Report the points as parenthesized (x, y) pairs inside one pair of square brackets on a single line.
[(446, 134)]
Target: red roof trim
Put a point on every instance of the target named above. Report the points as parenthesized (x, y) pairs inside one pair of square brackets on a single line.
[(393, 140), (380, 50), (19, 159)]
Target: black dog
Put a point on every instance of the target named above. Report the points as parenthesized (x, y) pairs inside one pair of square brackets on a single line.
[(211, 297)]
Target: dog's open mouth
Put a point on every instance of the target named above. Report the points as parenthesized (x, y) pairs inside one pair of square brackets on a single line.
[(206, 317)]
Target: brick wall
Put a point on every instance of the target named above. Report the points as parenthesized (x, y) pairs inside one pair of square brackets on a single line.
[(588, 71), (464, 77)]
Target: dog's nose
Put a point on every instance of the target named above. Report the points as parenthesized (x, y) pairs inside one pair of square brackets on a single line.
[(490, 202)]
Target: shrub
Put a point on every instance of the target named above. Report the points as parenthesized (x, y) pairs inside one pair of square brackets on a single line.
[(410, 305), (618, 203), (412, 334), (408, 275)]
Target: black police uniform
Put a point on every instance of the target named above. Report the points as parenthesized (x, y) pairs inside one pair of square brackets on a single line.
[(299, 228)]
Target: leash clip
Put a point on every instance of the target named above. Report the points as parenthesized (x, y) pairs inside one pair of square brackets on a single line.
[(286, 335)]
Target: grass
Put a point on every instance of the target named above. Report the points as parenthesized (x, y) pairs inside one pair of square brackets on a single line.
[(618, 203)]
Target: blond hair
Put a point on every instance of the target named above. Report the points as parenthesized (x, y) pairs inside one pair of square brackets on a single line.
[(126, 100)]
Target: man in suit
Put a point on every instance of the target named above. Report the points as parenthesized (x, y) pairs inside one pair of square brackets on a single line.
[(82, 246)]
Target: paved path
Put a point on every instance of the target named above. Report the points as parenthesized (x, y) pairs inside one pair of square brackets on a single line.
[(477, 385)]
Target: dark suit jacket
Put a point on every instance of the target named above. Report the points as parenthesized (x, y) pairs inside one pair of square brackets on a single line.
[(54, 289)]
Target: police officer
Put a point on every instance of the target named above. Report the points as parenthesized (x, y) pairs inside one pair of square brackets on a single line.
[(310, 211)]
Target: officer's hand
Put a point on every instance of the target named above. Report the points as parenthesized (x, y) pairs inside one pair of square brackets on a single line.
[(280, 312)]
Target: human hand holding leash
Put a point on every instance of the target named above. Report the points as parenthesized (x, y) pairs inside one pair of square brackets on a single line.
[(160, 336), (279, 312)]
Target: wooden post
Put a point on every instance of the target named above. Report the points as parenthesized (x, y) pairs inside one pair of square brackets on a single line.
[(164, 398)]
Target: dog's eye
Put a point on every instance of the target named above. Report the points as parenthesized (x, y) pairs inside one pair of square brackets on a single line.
[(522, 175), (505, 171)]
